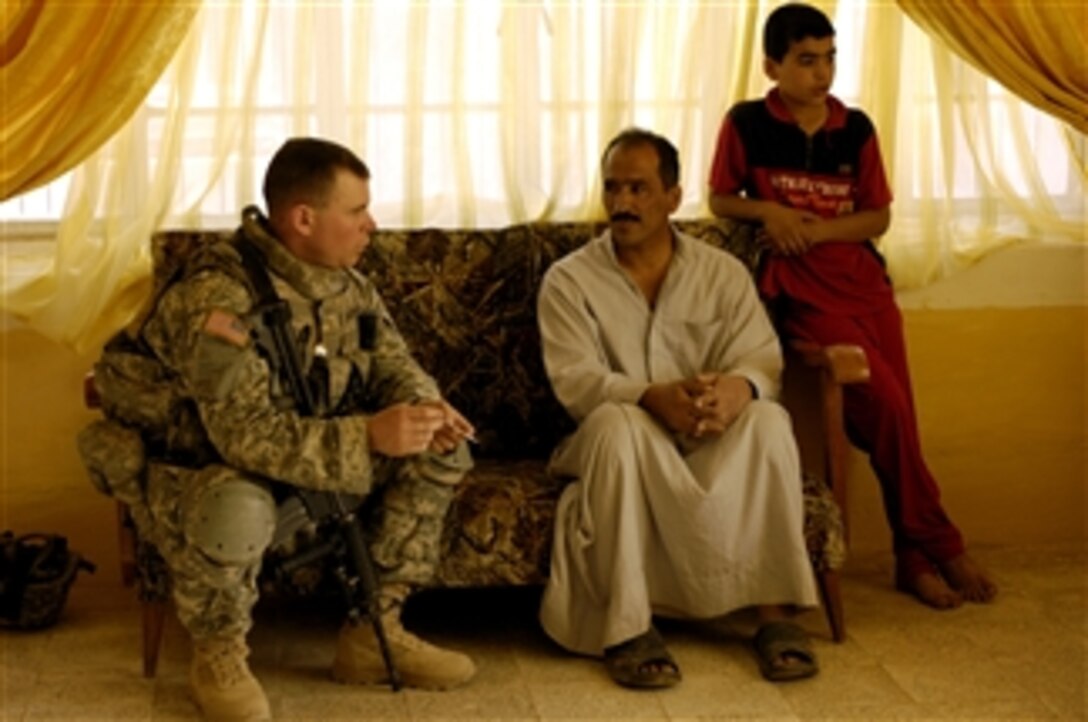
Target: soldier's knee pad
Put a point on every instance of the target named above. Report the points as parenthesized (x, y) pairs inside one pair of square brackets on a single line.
[(231, 522)]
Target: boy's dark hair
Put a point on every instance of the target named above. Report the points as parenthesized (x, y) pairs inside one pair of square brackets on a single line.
[(668, 159), (791, 23), (304, 170)]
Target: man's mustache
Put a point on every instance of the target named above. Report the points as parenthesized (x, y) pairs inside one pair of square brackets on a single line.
[(624, 216)]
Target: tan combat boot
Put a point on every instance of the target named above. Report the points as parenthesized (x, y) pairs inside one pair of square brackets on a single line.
[(421, 665), (222, 684)]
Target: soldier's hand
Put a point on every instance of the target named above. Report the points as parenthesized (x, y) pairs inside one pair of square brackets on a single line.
[(455, 429), (404, 429)]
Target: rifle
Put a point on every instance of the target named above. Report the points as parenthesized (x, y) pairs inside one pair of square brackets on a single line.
[(354, 566)]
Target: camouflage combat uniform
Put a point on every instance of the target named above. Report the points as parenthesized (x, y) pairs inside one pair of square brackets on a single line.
[(231, 421)]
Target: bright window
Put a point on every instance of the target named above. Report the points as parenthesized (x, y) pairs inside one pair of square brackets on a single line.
[(984, 142)]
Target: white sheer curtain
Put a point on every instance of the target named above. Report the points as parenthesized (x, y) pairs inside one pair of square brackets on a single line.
[(469, 114), (973, 167), (491, 112)]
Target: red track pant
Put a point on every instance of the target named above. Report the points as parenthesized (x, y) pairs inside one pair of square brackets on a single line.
[(880, 420)]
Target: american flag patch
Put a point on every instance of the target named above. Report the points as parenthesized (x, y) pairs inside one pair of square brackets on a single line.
[(226, 326)]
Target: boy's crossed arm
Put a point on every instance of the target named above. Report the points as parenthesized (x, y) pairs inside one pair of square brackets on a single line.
[(792, 231)]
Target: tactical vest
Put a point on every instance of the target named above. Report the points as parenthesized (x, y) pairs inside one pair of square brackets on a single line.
[(146, 418)]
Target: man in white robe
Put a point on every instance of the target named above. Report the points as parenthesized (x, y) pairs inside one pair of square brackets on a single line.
[(687, 494)]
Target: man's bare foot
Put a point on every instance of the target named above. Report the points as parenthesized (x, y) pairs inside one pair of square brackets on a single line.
[(966, 576), (930, 589)]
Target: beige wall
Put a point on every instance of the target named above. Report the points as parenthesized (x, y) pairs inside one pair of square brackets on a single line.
[(1000, 392), (1001, 403), (42, 485)]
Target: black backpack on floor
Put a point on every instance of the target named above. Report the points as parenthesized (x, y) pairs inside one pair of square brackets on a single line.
[(36, 571)]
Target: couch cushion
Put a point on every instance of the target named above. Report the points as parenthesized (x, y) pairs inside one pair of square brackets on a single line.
[(499, 528)]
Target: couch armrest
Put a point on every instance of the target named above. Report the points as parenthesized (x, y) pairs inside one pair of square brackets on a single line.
[(838, 365), (844, 363)]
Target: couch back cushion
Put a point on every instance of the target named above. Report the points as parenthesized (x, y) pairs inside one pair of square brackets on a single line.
[(465, 301)]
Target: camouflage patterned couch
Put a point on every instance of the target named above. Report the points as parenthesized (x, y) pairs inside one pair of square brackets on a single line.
[(465, 300)]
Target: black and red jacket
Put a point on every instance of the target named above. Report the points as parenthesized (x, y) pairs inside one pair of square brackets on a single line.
[(763, 153)]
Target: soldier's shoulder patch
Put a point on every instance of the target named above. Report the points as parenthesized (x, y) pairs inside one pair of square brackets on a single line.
[(226, 326)]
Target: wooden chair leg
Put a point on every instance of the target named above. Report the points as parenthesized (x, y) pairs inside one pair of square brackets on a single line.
[(831, 596), (154, 582), (154, 615), (836, 445), (126, 544)]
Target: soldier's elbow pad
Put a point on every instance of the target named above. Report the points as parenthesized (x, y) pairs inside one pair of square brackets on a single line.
[(115, 459), (231, 522)]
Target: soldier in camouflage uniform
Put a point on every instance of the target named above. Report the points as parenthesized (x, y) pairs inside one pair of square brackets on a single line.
[(233, 436)]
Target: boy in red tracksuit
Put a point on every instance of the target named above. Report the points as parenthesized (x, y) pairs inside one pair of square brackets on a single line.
[(809, 170)]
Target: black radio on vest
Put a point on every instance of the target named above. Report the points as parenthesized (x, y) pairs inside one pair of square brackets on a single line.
[(368, 331)]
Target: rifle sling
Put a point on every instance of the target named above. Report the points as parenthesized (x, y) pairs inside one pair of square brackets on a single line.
[(276, 314)]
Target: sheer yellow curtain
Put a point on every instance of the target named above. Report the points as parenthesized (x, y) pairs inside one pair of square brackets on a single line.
[(71, 73), (97, 277), (1036, 49)]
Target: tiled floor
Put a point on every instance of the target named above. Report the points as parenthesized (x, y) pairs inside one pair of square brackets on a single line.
[(1023, 658)]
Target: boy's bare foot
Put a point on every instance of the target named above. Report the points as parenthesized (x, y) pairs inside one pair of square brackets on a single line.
[(966, 576), (930, 589)]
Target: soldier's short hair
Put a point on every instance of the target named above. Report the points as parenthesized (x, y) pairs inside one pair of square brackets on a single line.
[(303, 170), (668, 159)]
